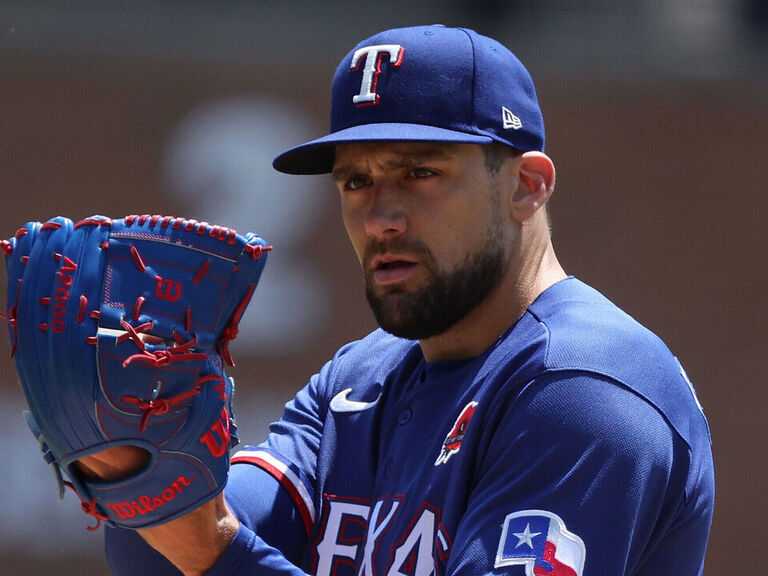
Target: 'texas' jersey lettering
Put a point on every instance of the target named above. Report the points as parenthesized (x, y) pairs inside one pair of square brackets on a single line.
[(352, 531)]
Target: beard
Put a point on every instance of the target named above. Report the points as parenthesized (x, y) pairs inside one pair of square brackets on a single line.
[(448, 296)]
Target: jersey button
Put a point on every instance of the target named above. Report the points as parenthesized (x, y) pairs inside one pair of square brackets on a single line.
[(405, 416)]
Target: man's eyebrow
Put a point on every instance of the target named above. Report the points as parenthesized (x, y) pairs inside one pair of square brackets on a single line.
[(342, 173), (401, 161)]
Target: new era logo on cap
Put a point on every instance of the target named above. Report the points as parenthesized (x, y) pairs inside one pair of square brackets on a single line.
[(509, 120)]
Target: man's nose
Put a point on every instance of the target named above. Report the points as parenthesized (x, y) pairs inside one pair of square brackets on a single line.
[(386, 214)]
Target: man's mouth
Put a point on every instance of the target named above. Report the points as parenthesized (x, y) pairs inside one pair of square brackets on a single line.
[(394, 264), (389, 269)]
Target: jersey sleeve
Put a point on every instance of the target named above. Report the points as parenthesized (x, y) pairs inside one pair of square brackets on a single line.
[(579, 476), (127, 554), (289, 456)]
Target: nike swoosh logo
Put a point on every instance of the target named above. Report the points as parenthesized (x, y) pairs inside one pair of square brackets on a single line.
[(340, 403)]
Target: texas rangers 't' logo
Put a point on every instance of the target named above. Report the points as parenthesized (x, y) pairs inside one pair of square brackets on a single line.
[(452, 442), (539, 540), (372, 57)]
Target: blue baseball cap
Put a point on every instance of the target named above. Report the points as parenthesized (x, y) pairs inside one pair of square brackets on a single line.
[(425, 83)]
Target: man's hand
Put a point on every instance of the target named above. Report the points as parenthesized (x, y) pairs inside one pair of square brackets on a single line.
[(113, 463)]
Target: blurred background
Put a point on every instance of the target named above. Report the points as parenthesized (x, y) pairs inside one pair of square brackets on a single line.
[(657, 120)]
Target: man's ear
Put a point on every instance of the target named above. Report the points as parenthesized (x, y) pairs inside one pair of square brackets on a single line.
[(536, 182)]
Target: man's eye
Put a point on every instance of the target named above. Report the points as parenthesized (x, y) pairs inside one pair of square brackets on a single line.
[(355, 183), (421, 173)]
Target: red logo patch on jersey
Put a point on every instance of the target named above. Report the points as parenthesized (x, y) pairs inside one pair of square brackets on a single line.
[(455, 437)]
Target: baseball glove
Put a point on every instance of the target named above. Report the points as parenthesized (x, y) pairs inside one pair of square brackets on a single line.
[(119, 332)]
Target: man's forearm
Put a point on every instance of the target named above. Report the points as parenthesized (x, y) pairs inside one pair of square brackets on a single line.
[(194, 542)]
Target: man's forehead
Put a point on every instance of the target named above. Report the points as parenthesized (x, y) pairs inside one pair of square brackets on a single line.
[(348, 155)]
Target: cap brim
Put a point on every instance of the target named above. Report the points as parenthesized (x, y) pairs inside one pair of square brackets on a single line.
[(317, 156)]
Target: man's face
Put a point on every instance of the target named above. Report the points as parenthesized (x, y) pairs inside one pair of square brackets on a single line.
[(426, 221)]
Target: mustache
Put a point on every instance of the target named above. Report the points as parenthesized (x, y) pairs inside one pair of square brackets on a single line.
[(397, 245)]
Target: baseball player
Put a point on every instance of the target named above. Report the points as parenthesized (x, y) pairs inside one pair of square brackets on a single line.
[(506, 418)]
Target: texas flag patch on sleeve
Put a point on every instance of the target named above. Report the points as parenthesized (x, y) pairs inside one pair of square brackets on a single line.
[(539, 540)]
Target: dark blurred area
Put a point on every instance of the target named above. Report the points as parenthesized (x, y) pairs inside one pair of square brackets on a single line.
[(657, 120)]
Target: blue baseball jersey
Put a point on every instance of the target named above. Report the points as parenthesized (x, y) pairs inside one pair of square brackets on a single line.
[(573, 446)]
